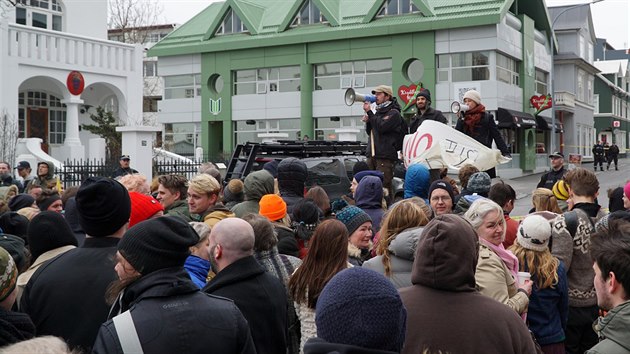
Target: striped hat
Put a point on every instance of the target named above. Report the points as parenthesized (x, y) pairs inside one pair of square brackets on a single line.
[(560, 190)]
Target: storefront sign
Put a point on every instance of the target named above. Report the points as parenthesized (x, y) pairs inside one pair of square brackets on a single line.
[(407, 93), (75, 83), (540, 103)]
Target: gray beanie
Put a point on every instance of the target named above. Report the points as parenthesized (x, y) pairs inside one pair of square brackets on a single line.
[(479, 183)]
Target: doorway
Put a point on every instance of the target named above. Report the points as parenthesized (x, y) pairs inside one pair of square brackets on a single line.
[(38, 125)]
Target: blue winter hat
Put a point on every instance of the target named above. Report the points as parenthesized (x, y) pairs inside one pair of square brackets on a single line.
[(353, 217), (362, 308), (359, 176)]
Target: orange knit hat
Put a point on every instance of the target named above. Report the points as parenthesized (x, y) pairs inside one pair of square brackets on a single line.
[(272, 207)]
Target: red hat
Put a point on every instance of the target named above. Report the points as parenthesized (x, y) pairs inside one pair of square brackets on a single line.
[(272, 207), (143, 207)]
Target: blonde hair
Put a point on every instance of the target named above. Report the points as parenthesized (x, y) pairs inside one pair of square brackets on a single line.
[(544, 200), (403, 215), (540, 263), (204, 184), (135, 183)]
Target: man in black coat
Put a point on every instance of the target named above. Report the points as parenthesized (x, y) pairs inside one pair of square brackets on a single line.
[(425, 111), (557, 172), (66, 296), (613, 155), (169, 313), (259, 295), (598, 156), (124, 168)]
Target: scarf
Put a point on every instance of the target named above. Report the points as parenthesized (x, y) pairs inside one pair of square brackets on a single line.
[(506, 256), (383, 105), (472, 118)]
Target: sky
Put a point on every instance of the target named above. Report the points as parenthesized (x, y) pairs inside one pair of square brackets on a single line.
[(611, 18)]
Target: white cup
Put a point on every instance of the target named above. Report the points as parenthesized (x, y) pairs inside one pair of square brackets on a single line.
[(522, 276)]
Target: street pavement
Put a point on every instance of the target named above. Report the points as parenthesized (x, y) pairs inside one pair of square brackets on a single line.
[(524, 186)]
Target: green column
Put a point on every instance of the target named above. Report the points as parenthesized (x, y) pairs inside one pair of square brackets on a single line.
[(307, 125)]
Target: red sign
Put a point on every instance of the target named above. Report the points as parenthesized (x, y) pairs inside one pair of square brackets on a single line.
[(616, 124), (406, 92), (75, 83), (540, 102)]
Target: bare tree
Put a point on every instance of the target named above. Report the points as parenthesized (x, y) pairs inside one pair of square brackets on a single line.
[(8, 136), (132, 17)]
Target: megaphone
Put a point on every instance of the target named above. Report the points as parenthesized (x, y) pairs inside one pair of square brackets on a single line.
[(457, 107), (351, 97)]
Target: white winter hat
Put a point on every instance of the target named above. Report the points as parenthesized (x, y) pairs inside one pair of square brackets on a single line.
[(473, 95), (534, 233)]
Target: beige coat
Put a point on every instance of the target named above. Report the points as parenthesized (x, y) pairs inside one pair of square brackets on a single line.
[(494, 279)]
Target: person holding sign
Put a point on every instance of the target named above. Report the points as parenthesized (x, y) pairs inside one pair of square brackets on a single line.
[(479, 125)]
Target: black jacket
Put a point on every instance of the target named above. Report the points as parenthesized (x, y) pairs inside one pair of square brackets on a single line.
[(171, 315), (485, 132), (66, 296), (550, 178), (429, 114), (15, 327), (262, 299), (388, 129), (119, 172)]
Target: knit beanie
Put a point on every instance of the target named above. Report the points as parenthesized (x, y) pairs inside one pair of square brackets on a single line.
[(142, 207), (534, 233), (201, 229), (560, 190), (479, 183), (47, 231), (103, 205), (21, 201), (626, 190), (425, 93), (13, 223), (361, 307), (353, 217), (158, 243), (15, 246), (473, 95), (359, 166), (359, 176), (44, 203), (442, 184), (272, 168), (272, 207), (233, 192), (602, 224), (8, 274), (292, 175)]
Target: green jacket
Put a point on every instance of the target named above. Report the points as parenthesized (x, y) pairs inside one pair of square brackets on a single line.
[(613, 331), (179, 208)]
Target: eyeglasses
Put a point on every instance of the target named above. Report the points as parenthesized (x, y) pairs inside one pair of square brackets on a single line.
[(440, 198)]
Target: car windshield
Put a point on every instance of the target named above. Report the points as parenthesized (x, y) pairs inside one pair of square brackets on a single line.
[(323, 172)]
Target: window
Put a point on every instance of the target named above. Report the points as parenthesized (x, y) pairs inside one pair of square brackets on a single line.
[(39, 13), (39, 20), (56, 126), (309, 14), (150, 68), (541, 82), (182, 138), (357, 74), (457, 67), (595, 104), (182, 86), (231, 24), (267, 80), (397, 7), (20, 15), (507, 69), (56, 114), (150, 104), (580, 85), (589, 90)]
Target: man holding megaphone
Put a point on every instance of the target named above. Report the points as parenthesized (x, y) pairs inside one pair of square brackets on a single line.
[(386, 130), (475, 122)]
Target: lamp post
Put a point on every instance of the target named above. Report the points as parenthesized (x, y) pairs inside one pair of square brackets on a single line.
[(553, 86)]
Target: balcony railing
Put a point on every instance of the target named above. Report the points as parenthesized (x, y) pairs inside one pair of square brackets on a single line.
[(566, 99), (53, 47)]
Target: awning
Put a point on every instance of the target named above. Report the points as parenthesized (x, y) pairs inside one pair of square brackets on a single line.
[(544, 123), (559, 126), (515, 119)]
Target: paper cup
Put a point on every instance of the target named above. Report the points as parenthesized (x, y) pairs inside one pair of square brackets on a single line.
[(522, 276)]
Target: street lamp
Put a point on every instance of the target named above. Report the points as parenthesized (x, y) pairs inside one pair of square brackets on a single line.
[(553, 86)]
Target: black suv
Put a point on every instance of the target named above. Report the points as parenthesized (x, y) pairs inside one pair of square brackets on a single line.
[(329, 163)]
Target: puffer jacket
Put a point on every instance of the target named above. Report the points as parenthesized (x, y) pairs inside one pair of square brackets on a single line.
[(256, 185), (613, 331), (387, 128), (403, 249), (417, 182), (369, 197)]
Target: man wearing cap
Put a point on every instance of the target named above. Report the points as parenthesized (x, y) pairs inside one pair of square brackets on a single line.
[(425, 111), (386, 130), (599, 155), (66, 296), (556, 173), (166, 309), (24, 171), (259, 295), (124, 168)]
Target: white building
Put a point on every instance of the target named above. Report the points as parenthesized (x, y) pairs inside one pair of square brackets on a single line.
[(42, 42)]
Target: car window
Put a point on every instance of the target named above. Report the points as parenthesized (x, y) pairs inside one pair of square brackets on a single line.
[(323, 172)]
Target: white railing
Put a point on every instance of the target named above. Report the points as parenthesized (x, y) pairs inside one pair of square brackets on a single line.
[(55, 47), (564, 99)]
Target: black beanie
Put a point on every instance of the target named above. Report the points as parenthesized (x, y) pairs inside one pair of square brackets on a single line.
[(46, 202), (425, 93), (21, 201), (13, 223), (103, 205), (442, 184), (49, 230), (15, 246), (158, 243)]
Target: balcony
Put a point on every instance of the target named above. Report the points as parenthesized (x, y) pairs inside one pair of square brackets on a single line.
[(564, 101), (48, 48)]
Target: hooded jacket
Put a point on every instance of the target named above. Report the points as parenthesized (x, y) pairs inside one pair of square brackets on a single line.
[(369, 197), (417, 182), (613, 331), (403, 249), (445, 312), (387, 128), (256, 185), (48, 181), (292, 175)]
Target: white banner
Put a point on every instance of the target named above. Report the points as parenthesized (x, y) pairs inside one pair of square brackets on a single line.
[(437, 145)]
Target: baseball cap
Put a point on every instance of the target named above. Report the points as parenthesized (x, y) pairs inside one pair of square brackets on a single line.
[(556, 154), (23, 164), (125, 157)]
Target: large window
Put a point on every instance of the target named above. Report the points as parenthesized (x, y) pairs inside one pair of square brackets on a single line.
[(267, 80), (45, 14), (507, 70), (182, 138), (150, 68), (541, 82), (249, 130), (231, 24), (581, 85), (357, 74), (182, 86), (471, 66), (56, 114), (309, 14), (397, 7)]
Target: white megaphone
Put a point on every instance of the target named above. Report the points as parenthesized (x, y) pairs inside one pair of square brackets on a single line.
[(457, 107), (351, 97)]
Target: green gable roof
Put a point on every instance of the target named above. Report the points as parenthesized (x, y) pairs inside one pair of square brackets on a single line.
[(271, 19)]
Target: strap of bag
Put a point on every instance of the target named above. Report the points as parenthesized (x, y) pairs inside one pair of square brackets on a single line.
[(127, 335)]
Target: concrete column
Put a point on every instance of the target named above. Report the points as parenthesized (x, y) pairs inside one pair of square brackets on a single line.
[(72, 148), (306, 100), (137, 142)]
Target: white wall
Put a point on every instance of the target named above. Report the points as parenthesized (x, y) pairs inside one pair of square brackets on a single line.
[(85, 17)]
